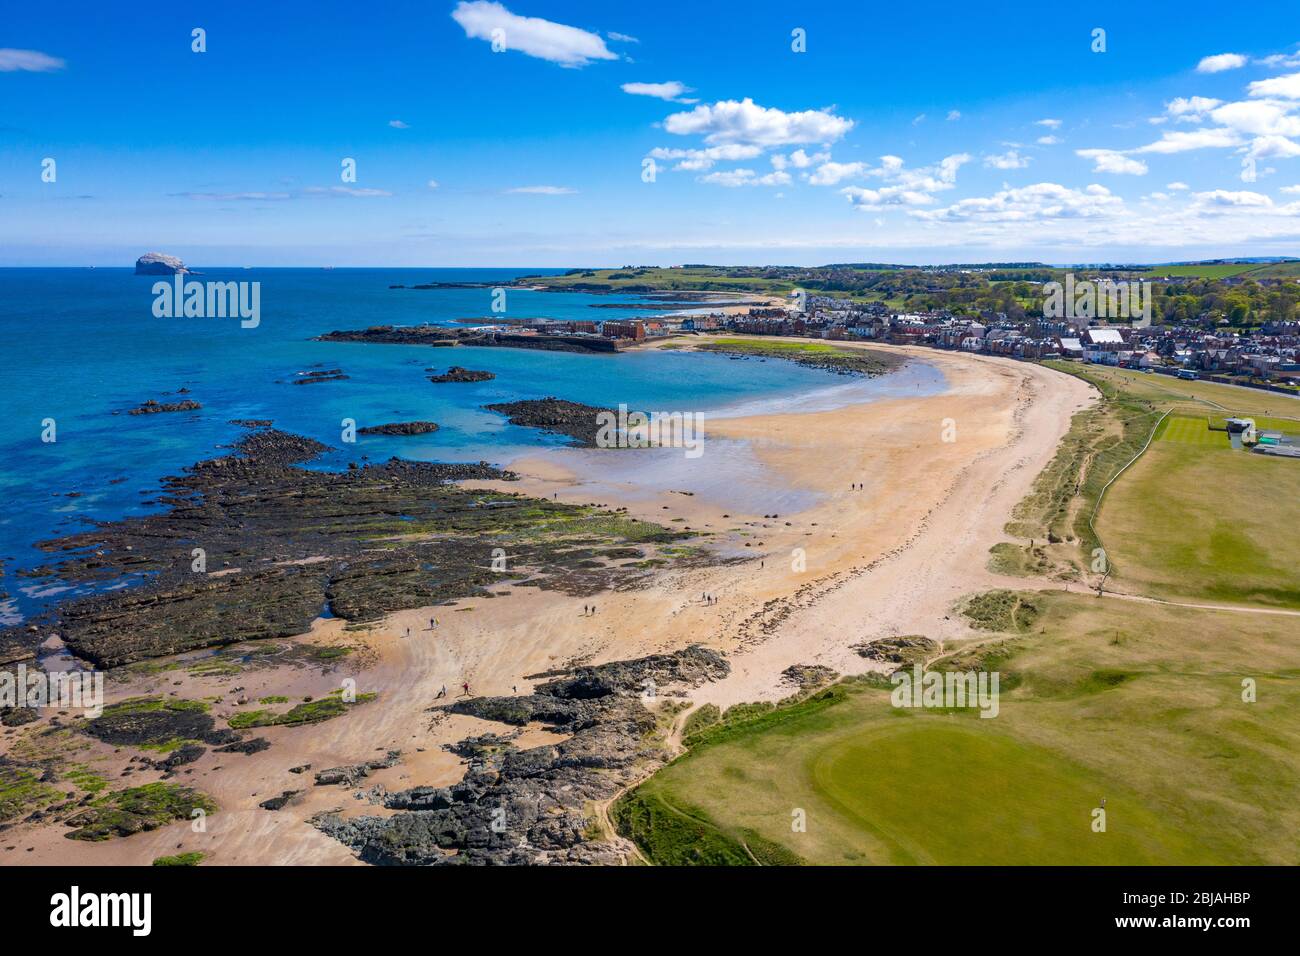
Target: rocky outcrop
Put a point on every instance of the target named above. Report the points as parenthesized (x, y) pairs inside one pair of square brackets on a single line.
[(400, 428), (458, 374), (351, 774), (296, 543), (534, 806), (280, 802), (486, 337), (319, 375), (555, 415), (153, 408), (158, 264), (909, 649)]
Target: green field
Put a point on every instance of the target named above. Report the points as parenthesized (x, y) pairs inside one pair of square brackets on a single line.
[(1163, 391), (1198, 521), (1139, 704), (1217, 271), (704, 279), (1191, 431), (1192, 519)]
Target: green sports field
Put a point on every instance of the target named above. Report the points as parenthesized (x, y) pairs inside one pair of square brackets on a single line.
[(1191, 431)]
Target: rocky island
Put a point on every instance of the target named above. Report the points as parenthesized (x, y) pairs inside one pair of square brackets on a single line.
[(458, 374), (555, 415), (159, 264)]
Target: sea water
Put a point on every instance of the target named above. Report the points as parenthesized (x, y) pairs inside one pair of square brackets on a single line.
[(81, 347)]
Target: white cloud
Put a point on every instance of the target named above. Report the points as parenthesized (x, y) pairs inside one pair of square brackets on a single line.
[(729, 121), (1158, 196), (799, 159), (1039, 202), (695, 160), (543, 190), (28, 61), (621, 37), (1273, 147), (1049, 123), (398, 124), (1181, 141), (1189, 108), (1291, 190), (1226, 198), (1113, 161), (671, 91), (873, 200), (746, 177), (906, 187), (1177, 186), (1048, 140), (1287, 87), (1259, 118), (533, 36), (433, 184), (1007, 160), (1220, 62), (954, 115), (831, 174)]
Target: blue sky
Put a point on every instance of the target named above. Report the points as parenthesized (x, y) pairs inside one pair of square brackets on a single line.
[(930, 132)]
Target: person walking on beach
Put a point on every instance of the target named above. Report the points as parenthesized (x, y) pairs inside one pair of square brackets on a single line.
[(442, 693), (465, 685)]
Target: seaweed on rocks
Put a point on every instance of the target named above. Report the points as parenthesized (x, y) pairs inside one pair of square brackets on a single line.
[(533, 806), (290, 542)]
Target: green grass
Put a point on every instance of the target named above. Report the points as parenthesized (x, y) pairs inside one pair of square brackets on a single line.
[(180, 859), (936, 790), (1205, 524), (1164, 392), (309, 712), (1190, 431), (1139, 704), (1217, 271)]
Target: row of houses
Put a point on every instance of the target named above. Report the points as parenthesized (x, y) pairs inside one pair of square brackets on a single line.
[(1270, 354)]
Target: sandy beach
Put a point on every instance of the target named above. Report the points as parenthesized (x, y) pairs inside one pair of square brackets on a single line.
[(819, 565)]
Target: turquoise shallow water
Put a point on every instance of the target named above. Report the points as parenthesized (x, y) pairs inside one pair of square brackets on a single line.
[(81, 344)]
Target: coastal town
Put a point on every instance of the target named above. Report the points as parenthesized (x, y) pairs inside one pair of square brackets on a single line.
[(1265, 356)]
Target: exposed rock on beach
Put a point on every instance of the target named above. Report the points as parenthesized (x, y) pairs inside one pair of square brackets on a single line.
[(534, 806)]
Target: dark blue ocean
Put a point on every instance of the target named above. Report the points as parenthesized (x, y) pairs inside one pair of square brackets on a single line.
[(81, 344)]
